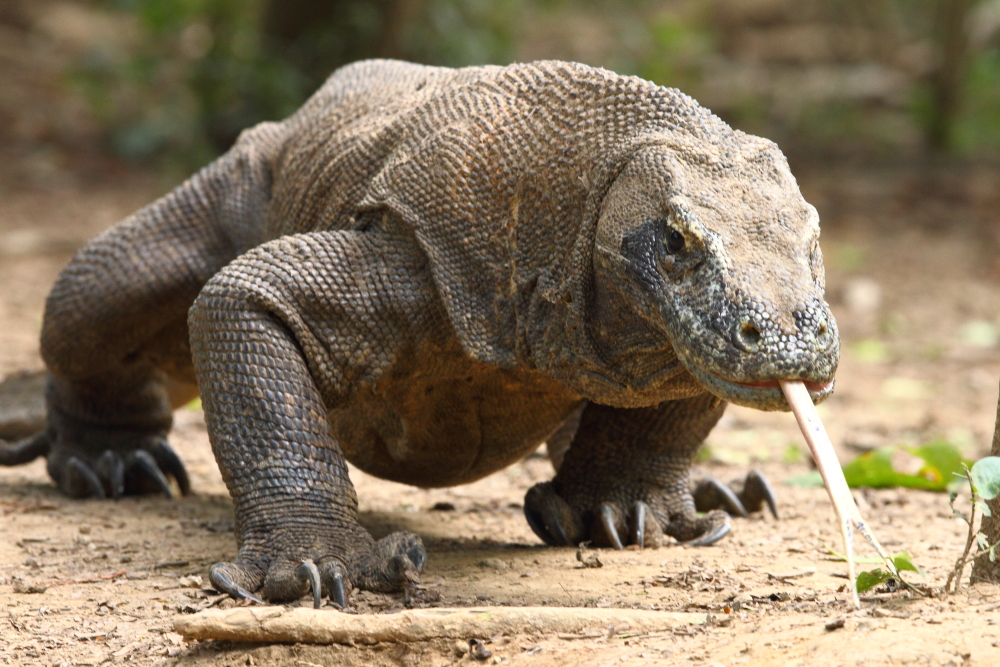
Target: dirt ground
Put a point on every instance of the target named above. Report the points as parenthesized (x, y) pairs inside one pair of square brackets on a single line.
[(914, 282)]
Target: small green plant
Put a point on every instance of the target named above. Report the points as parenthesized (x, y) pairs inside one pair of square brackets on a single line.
[(984, 485), (872, 578)]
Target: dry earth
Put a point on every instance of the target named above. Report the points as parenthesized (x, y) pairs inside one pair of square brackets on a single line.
[(912, 275)]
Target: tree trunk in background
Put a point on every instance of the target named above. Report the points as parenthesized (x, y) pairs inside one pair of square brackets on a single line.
[(947, 79), (983, 569)]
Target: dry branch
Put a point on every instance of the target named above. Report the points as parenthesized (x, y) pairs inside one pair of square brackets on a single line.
[(319, 626)]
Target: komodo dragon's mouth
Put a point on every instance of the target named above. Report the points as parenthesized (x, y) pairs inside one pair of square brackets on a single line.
[(762, 395), (813, 387)]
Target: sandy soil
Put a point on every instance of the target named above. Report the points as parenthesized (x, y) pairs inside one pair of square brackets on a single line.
[(912, 276)]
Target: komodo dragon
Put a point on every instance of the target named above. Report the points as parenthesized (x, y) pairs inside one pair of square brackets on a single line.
[(428, 272)]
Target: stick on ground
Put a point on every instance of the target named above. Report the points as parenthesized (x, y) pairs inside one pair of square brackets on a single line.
[(325, 626), (848, 515)]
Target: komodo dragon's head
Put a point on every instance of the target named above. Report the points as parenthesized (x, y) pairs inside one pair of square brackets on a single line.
[(715, 246)]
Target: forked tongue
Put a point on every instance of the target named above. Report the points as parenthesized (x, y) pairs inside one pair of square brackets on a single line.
[(848, 515)]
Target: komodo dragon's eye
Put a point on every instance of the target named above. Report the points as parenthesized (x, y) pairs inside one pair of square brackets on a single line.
[(675, 242)]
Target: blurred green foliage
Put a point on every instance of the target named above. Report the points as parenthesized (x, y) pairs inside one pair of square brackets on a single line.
[(196, 72), (941, 462), (200, 71)]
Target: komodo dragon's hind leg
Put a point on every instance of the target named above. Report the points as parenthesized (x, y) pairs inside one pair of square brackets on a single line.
[(626, 478), (114, 336)]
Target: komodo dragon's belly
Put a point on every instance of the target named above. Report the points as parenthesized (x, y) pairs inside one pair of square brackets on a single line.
[(451, 424)]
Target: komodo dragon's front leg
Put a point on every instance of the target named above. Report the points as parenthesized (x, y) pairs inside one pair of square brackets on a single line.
[(625, 478), (279, 337)]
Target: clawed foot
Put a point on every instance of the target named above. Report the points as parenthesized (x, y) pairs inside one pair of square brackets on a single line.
[(607, 525), (739, 499), (386, 565), (117, 472)]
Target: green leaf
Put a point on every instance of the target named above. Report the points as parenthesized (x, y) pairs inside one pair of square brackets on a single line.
[(903, 562), (986, 477), (943, 460), (873, 469), (872, 578), (983, 508)]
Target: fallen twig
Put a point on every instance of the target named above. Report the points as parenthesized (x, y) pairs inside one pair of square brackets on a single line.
[(318, 626)]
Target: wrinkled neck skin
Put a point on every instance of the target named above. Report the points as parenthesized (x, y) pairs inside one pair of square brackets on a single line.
[(707, 275)]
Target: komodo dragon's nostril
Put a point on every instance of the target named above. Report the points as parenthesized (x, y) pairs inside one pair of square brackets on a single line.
[(824, 335), (747, 337)]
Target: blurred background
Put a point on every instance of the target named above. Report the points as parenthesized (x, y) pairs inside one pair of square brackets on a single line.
[(889, 111), (170, 83)]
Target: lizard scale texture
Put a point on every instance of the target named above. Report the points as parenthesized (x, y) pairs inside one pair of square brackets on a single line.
[(428, 272)]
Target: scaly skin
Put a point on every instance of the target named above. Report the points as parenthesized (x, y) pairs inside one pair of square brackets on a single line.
[(428, 272)]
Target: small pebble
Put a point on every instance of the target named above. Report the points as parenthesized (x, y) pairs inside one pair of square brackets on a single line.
[(835, 625)]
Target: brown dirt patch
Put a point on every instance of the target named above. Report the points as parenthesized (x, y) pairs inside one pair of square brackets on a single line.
[(922, 377)]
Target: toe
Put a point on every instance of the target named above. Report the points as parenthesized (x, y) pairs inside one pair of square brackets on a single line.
[(712, 535), (111, 467), (608, 527), (644, 529), (335, 582), (80, 481), (696, 530), (710, 494), (757, 492), (234, 580), (171, 464), (551, 517), (148, 472), (388, 567), (308, 573)]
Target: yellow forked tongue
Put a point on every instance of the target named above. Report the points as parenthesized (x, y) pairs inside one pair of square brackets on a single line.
[(848, 515)]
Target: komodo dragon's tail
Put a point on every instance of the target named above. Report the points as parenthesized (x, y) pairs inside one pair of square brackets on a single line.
[(22, 418)]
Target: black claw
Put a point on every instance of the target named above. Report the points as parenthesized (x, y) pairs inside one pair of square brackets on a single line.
[(537, 525), (606, 516), (83, 471), (307, 572), (712, 494), (712, 536), (24, 451), (555, 527), (639, 523), (172, 464), (145, 462), (337, 594), (223, 583), (546, 513), (757, 490), (112, 468)]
